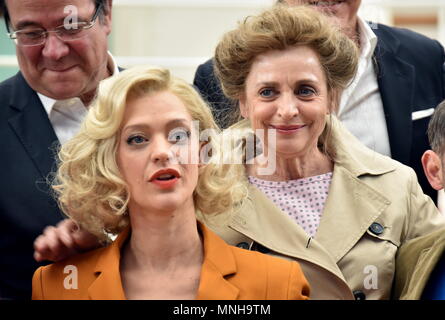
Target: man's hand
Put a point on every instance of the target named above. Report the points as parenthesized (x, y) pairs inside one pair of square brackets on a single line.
[(63, 241)]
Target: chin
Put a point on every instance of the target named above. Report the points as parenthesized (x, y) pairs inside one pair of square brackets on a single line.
[(167, 203)]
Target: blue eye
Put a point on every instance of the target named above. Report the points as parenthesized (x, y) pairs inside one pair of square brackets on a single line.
[(136, 139), (306, 91), (179, 136), (267, 93)]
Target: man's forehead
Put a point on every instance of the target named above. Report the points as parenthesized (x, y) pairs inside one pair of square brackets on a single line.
[(55, 6), (26, 12)]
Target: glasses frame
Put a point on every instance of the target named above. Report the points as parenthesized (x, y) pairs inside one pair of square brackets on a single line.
[(44, 33)]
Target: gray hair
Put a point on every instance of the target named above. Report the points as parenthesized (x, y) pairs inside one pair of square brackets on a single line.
[(436, 129)]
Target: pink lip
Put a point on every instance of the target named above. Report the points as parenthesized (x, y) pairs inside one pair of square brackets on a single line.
[(165, 184), (59, 69), (288, 129)]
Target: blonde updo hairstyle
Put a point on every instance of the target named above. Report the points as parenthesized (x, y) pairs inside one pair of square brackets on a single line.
[(280, 28), (88, 184)]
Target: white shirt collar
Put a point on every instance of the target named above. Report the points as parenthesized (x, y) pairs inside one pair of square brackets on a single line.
[(368, 39), (48, 103)]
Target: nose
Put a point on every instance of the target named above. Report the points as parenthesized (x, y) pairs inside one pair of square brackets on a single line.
[(54, 48), (161, 150), (288, 106)]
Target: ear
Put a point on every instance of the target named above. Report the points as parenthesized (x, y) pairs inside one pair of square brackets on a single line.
[(432, 166), (243, 108), (108, 15)]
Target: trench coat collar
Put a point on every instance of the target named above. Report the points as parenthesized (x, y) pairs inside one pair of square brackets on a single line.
[(219, 262), (351, 205)]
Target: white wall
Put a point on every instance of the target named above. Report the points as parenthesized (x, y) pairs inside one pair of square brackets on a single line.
[(176, 34)]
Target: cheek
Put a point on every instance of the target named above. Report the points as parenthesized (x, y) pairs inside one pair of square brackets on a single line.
[(132, 168), (261, 113), (28, 56), (192, 175)]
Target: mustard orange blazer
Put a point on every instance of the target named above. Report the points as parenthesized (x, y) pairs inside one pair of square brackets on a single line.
[(228, 273)]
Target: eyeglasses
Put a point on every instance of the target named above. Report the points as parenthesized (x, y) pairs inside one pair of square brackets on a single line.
[(66, 32)]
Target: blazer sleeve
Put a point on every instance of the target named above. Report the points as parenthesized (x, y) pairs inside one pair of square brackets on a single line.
[(298, 288), (37, 288), (424, 217)]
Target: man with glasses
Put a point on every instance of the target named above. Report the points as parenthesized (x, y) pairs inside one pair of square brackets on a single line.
[(61, 47)]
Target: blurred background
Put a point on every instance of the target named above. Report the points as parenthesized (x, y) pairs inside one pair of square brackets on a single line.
[(181, 34)]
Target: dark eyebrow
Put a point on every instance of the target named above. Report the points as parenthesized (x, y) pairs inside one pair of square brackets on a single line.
[(24, 24)]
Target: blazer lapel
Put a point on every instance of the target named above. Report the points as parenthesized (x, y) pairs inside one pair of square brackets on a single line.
[(395, 78), (32, 126), (108, 284), (219, 263)]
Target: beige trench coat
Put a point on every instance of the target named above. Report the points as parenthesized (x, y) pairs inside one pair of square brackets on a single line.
[(374, 205), (415, 263)]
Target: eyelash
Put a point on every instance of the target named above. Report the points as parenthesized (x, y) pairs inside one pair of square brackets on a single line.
[(130, 139), (187, 133), (311, 90)]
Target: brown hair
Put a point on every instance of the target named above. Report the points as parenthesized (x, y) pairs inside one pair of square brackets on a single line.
[(279, 28)]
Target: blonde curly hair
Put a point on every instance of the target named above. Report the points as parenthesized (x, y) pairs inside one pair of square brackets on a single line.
[(88, 184)]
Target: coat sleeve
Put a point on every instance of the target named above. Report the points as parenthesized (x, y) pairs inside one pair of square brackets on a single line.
[(37, 288), (424, 217)]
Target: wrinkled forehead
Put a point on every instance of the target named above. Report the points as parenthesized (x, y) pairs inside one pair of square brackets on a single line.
[(47, 11)]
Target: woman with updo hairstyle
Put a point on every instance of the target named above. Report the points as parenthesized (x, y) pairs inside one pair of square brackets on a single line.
[(316, 194), (134, 169)]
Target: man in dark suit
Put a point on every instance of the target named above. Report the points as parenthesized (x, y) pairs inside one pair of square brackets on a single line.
[(400, 79), (61, 48)]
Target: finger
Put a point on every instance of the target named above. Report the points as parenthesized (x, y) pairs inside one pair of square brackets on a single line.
[(53, 242), (41, 250)]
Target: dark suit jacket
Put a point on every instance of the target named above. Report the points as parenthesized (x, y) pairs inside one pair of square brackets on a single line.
[(27, 147), (410, 70)]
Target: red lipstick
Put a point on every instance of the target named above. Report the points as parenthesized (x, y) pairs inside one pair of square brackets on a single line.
[(165, 178)]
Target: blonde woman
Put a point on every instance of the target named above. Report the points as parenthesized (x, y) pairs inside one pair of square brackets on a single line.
[(133, 170)]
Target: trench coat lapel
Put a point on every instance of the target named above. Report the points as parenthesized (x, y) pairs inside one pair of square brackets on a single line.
[(219, 262), (261, 220), (350, 209), (352, 205)]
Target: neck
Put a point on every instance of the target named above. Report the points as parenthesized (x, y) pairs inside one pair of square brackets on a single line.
[(353, 33), (311, 163), (88, 97), (162, 241)]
